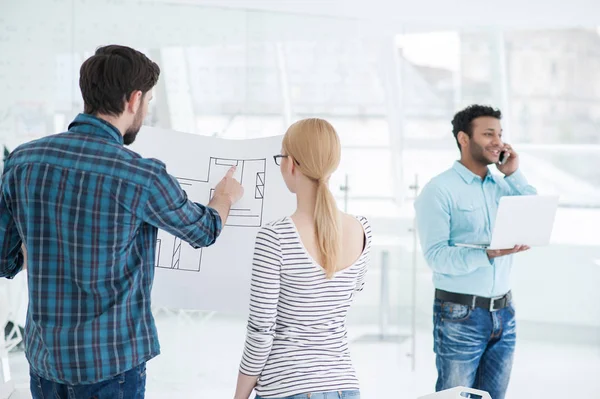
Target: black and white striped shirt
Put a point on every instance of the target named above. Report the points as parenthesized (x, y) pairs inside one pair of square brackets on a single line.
[(297, 340)]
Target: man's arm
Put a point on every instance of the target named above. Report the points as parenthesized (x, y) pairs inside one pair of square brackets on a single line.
[(11, 256), (227, 193), (433, 224), (517, 184), (168, 208)]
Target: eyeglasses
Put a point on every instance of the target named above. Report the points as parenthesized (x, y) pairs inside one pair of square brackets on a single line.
[(277, 159)]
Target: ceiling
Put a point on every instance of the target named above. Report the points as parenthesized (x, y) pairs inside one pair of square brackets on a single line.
[(416, 14)]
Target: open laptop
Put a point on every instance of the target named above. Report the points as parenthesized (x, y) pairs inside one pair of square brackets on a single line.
[(521, 220)]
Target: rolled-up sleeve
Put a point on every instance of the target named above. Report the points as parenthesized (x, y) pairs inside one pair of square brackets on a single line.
[(168, 208)]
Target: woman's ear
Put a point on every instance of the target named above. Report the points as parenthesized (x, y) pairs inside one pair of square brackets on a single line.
[(289, 165)]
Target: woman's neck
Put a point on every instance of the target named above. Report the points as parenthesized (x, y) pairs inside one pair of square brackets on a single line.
[(306, 200)]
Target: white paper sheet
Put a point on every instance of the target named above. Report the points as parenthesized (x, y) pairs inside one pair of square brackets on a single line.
[(457, 393), (217, 277)]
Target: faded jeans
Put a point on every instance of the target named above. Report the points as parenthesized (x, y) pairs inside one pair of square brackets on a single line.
[(474, 347)]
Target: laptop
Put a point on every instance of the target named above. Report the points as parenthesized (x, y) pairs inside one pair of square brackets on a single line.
[(521, 220)]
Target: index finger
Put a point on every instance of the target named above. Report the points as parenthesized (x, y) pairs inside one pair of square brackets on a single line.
[(231, 171)]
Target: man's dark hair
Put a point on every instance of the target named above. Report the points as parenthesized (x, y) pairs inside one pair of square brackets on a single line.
[(109, 77), (462, 121)]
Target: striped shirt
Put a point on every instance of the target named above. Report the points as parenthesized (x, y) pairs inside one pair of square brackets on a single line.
[(88, 210), (297, 340)]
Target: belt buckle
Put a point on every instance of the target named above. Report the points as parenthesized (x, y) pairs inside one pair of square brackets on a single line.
[(492, 300)]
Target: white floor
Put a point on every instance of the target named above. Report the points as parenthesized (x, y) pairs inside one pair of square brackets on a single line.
[(200, 359)]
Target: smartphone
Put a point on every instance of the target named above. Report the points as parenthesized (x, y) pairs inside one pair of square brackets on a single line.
[(503, 157)]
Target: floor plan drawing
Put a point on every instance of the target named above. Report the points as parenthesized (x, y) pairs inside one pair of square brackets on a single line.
[(172, 252)]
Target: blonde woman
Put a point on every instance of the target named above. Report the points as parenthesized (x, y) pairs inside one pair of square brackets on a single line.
[(306, 270)]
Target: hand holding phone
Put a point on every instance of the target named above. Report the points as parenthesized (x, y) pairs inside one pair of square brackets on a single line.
[(508, 161), (503, 157)]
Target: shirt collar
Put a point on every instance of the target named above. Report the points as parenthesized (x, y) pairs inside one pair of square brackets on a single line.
[(469, 176), (95, 126)]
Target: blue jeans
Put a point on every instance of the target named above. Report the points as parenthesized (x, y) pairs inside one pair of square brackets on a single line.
[(323, 395), (474, 347), (128, 385)]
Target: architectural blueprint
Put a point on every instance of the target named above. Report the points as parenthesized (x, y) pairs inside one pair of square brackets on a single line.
[(247, 213), (216, 277)]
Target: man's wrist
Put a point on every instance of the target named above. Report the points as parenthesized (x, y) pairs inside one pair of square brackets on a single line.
[(515, 174), (226, 199)]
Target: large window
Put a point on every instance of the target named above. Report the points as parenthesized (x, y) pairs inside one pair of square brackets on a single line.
[(546, 84)]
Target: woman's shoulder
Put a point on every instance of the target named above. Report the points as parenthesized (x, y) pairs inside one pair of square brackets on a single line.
[(277, 223), (357, 226), (361, 222), (276, 226)]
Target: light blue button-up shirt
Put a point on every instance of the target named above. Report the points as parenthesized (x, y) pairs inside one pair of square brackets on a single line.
[(458, 207)]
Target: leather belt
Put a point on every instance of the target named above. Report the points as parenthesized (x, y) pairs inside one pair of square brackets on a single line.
[(491, 304)]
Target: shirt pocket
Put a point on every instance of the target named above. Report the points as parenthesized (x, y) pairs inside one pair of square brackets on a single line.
[(468, 216)]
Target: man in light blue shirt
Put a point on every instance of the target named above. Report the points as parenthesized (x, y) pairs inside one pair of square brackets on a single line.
[(474, 323)]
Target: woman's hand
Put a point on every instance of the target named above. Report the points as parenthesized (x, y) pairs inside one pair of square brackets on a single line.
[(245, 385)]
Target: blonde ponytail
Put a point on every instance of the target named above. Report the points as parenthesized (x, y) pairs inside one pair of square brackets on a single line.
[(327, 226), (315, 146)]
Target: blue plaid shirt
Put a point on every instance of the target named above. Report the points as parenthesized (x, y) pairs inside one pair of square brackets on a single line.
[(87, 210)]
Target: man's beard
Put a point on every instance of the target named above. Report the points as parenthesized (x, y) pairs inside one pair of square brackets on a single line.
[(133, 130), (478, 153)]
